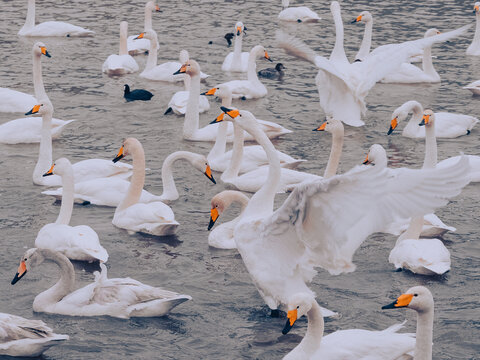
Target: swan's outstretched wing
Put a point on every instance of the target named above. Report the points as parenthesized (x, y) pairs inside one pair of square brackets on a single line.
[(332, 217)]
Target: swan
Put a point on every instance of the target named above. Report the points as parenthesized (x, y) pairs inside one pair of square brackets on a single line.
[(25, 337), (447, 125), (178, 102), (75, 242), (237, 61), (49, 28), (343, 86), (123, 63), (298, 14), (251, 88), (119, 297), (155, 218), (83, 170), (323, 222), (142, 46), (15, 101), (474, 87), (351, 344), (474, 48), (420, 299), (367, 18)]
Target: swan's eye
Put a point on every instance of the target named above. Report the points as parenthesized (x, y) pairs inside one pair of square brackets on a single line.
[(298, 306), (415, 294), (25, 259)]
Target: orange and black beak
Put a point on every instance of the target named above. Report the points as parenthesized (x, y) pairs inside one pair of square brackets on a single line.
[(366, 161), (119, 155), (291, 318), (358, 19), (213, 217), (182, 70), (239, 30), (321, 127), (402, 301), (476, 9), (44, 51), (208, 174), (210, 92), (425, 120), (157, 8), (34, 110), (218, 119), (49, 172), (393, 125), (141, 36), (22, 270), (268, 57), (233, 113)]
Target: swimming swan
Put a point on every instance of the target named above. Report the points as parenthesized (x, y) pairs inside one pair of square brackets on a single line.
[(123, 63), (120, 297), (237, 61), (474, 87), (474, 48), (142, 46), (298, 14), (49, 28), (75, 242)]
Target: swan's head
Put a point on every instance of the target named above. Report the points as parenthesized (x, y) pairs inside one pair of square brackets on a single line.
[(40, 49), (200, 163), (191, 67), (245, 119), (431, 32), (260, 52), (60, 167), (184, 56), (418, 298), (476, 8), (45, 107), (239, 28), (152, 6), (129, 145), (428, 118), (376, 156), (222, 201), (331, 125), (298, 305), (221, 91), (334, 7), (150, 34), (30, 259), (364, 17)]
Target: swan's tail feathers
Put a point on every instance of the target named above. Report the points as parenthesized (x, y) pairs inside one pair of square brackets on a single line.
[(168, 111), (157, 307), (439, 268), (328, 313), (295, 47), (293, 164)]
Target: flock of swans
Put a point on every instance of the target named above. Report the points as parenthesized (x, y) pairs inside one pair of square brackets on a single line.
[(319, 225)]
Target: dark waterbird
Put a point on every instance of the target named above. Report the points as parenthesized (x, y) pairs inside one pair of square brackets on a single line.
[(138, 94), (273, 73)]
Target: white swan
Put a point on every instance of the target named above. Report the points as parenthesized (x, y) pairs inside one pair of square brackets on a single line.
[(348, 344), (237, 61), (15, 101), (251, 88), (447, 125), (75, 242), (342, 86), (178, 102), (474, 48), (119, 297), (474, 87), (142, 46), (367, 18), (49, 28), (323, 222), (25, 337), (123, 63), (420, 299), (83, 170), (298, 14)]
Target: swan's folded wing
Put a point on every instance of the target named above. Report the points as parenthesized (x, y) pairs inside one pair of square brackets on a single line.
[(332, 217), (15, 328)]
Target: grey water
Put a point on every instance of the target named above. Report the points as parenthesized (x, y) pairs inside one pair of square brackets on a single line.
[(227, 318)]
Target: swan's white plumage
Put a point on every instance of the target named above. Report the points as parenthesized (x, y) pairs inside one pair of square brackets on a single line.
[(298, 14), (432, 226), (15, 101), (123, 63), (237, 61), (28, 130), (142, 46), (474, 87), (474, 161), (474, 47)]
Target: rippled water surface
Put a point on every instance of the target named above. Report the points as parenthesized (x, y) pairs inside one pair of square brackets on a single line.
[(227, 318)]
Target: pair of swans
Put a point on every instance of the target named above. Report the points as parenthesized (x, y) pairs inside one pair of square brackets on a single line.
[(298, 14), (75, 242), (474, 48), (155, 218), (342, 86), (123, 63), (323, 222), (118, 297), (142, 46), (237, 61), (49, 28), (25, 337)]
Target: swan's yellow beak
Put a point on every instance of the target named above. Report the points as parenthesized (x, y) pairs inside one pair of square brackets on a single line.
[(213, 217), (141, 36), (34, 110), (402, 301), (476, 8), (208, 173), (44, 51), (210, 92), (182, 70), (425, 120), (157, 8), (267, 57), (49, 172), (22, 270), (321, 127), (239, 30), (366, 161), (120, 154), (218, 119), (233, 113), (393, 125), (358, 19), (291, 318)]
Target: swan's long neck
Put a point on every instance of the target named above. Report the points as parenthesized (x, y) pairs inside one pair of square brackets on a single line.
[(169, 189), (476, 37), (38, 86), (338, 52), (30, 20), (237, 51), (233, 168), (152, 55), (430, 160), (424, 336), (366, 42), (63, 287), (123, 42), (252, 67), (414, 229), (44, 161), (68, 184), (335, 153), (427, 62), (148, 19), (417, 112), (220, 145), (190, 125), (138, 179)]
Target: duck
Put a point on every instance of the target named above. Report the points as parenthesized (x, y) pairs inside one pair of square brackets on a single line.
[(358, 344), (474, 87), (273, 73), (224, 40), (237, 61), (50, 28), (137, 94), (75, 242), (447, 125), (142, 46), (119, 297), (25, 337), (474, 47), (420, 299), (179, 100), (251, 88), (322, 222), (123, 63), (298, 14)]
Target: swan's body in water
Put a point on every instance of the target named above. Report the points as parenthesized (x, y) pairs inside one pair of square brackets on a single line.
[(474, 48), (352, 344), (142, 46), (75, 242), (420, 299), (25, 337), (123, 63), (119, 297), (15, 101), (237, 61), (474, 87), (298, 14), (49, 28)]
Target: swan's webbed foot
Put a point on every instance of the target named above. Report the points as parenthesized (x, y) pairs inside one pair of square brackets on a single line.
[(275, 313)]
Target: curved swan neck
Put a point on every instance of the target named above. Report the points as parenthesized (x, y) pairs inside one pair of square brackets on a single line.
[(235, 164), (30, 20), (68, 184), (427, 62), (366, 42), (417, 112), (476, 37), (63, 287), (38, 86), (190, 125), (218, 149), (152, 55), (335, 153), (430, 160), (414, 229), (44, 161), (138, 177), (338, 52), (169, 189), (123, 40), (252, 72), (233, 196), (424, 335)]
